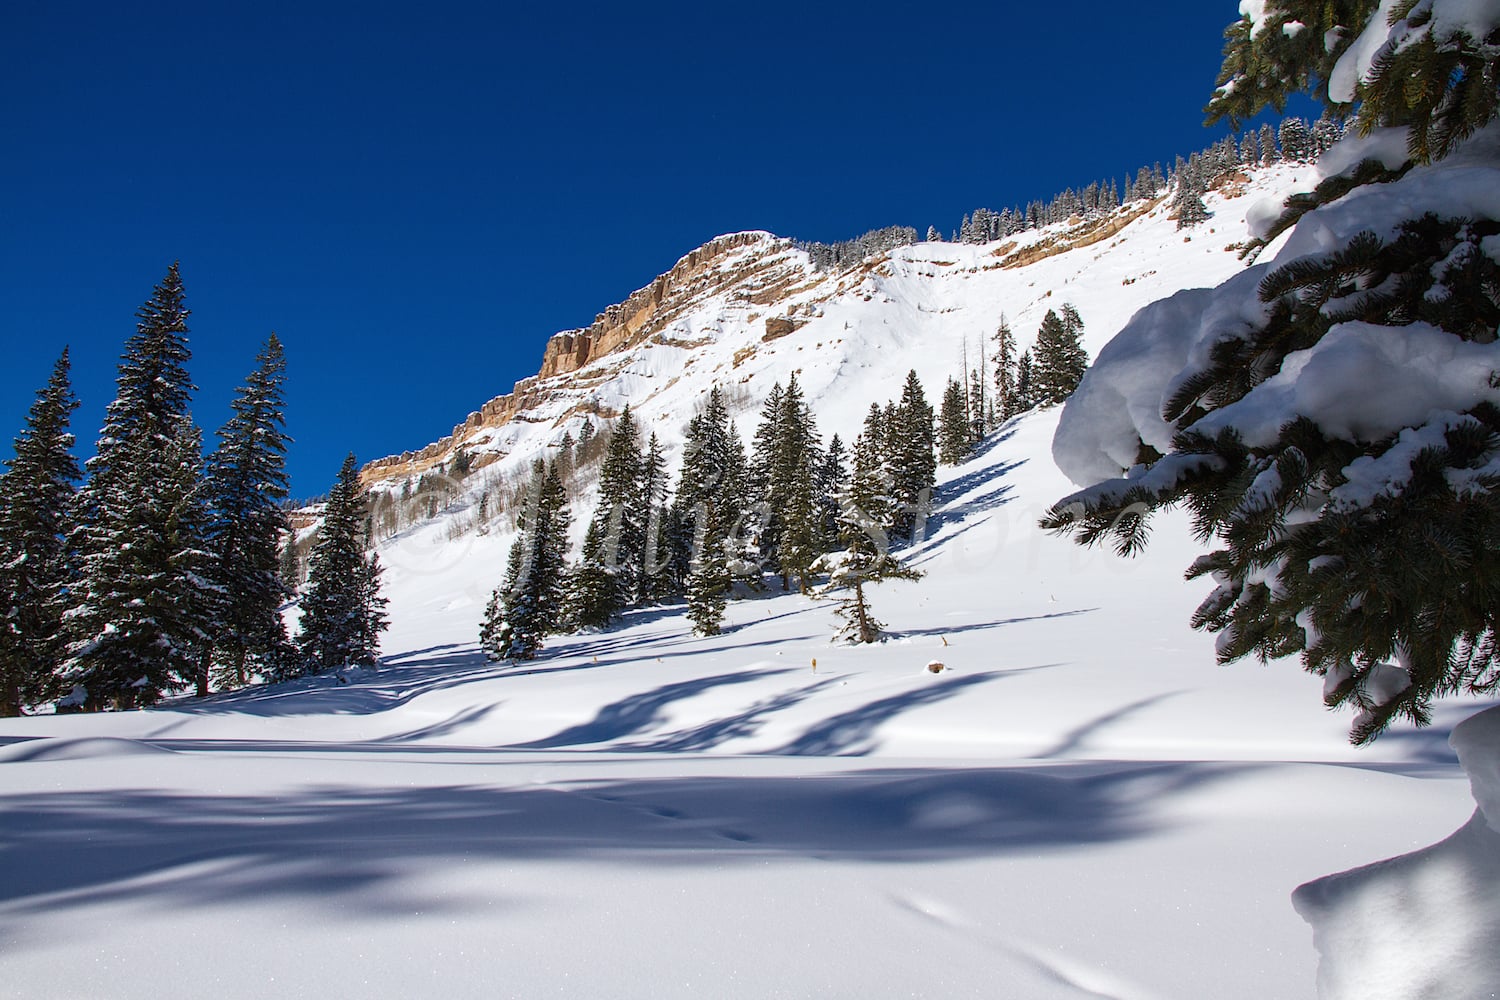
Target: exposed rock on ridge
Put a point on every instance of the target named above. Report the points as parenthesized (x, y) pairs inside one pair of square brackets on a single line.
[(644, 315)]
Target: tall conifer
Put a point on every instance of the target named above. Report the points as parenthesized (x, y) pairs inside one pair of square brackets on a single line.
[(36, 498), (246, 483), (342, 613), (142, 608)]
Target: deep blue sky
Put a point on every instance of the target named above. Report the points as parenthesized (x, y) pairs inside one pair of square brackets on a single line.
[(414, 197)]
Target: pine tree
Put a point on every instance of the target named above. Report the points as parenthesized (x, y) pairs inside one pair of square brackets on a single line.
[(246, 484), (762, 488), (656, 554), (713, 486), (1187, 202), (1366, 547), (1296, 140), (610, 574), (798, 455), (831, 477), (912, 448), (866, 559), (709, 579), (525, 607), (140, 608), (341, 613), (1060, 358), (1025, 383), (1005, 370), (36, 498), (1269, 154), (978, 402), (291, 563), (953, 426)]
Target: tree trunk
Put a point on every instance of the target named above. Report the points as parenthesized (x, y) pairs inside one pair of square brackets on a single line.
[(862, 613), (201, 674)]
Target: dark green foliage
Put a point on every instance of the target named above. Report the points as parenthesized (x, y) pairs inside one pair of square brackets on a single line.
[(342, 611), (246, 484), (910, 441), (712, 492), (1025, 382), (709, 579), (832, 474), (1005, 371), (866, 506), (793, 494), (139, 611), (141, 615), (527, 606), (1410, 575), (656, 581), (954, 443), (710, 501), (1442, 88), (36, 499), (1060, 360), (611, 572)]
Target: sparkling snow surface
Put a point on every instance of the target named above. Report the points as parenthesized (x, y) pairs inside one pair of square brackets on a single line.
[(1080, 805)]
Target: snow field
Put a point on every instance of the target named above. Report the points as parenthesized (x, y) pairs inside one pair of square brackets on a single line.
[(1081, 804)]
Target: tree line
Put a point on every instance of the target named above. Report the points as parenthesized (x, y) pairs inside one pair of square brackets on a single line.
[(157, 569), (1003, 384), (1295, 139), (787, 510)]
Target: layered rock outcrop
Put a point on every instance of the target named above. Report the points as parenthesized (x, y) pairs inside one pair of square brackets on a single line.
[(751, 266)]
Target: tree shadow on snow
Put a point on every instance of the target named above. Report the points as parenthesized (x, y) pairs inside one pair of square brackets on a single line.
[(641, 712), (852, 733), (397, 680), (354, 848)]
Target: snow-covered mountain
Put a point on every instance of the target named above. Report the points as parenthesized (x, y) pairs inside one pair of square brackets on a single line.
[(748, 309), (1077, 802)]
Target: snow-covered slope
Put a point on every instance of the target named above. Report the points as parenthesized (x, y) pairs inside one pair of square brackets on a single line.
[(1078, 804), (746, 310)]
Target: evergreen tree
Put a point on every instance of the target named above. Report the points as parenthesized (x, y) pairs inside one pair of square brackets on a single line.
[(792, 489), (977, 403), (36, 498), (526, 606), (709, 579), (246, 484), (139, 608), (1187, 202), (1005, 370), (832, 475), (712, 487), (341, 616), (953, 426), (912, 448), (1025, 383), (1365, 545), (610, 573), (656, 555), (291, 563), (762, 489), (1296, 140), (593, 593), (866, 559), (1060, 359), (142, 620), (1269, 154)]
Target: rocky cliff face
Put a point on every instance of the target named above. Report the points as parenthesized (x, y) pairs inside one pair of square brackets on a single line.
[(754, 268), (747, 310)]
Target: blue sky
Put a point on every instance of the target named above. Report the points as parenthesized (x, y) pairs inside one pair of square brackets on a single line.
[(414, 197)]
